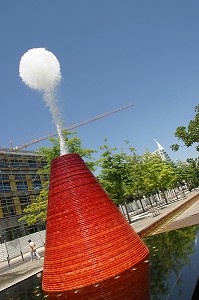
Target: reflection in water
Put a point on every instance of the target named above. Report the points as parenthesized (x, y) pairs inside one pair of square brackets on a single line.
[(130, 285), (25, 290), (174, 259), (174, 263)]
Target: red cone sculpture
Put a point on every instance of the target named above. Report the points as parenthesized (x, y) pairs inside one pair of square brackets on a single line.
[(87, 238)]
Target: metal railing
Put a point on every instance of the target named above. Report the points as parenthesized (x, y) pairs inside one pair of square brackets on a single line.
[(19, 246)]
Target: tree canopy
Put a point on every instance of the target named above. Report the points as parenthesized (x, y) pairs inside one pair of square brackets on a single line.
[(124, 175), (188, 135)]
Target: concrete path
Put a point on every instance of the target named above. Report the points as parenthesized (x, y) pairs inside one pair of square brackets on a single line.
[(20, 270), (187, 218), (143, 224)]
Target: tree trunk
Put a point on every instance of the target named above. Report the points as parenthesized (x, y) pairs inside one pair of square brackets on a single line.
[(132, 209), (183, 190), (150, 202), (127, 213), (122, 209), (165, 198), (176, 194), (142, 205), (154, 198)]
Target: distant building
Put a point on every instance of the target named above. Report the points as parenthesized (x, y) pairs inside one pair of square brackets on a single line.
[(162, 153), (20, 183)]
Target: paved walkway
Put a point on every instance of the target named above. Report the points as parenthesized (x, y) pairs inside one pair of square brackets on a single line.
[(181, 208), (20, 270), (187, 218)]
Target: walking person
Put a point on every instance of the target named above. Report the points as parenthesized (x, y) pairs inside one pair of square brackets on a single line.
[(33, 251)]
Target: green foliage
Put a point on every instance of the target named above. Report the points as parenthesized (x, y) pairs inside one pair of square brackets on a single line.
[(74, 145), (188, 135), (188, 173), (36, 211), (127, 177), (114, 172), (175, 147), (149, 175)]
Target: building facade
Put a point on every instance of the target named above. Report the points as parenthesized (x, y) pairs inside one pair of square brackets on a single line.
[(162, 153), (20, 183)]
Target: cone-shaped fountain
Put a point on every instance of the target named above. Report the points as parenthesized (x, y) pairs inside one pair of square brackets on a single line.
[(87, 239), (91, 251)]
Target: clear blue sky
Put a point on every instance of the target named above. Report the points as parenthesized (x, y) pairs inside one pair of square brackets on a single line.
[(111, 52)]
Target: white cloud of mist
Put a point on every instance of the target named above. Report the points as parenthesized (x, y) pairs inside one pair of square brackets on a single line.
[(39, 69)]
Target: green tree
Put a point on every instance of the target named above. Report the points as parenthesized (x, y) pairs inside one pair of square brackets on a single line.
[(188, 135), (129, 177), (188, 173), (151, 174), (135, 190), (115, 174), (36, 211), (74, 145)]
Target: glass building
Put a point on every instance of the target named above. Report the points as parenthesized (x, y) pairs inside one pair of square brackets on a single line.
[(20, 183)]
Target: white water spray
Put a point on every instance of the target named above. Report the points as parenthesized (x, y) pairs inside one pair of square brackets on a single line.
[(40, 70)]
